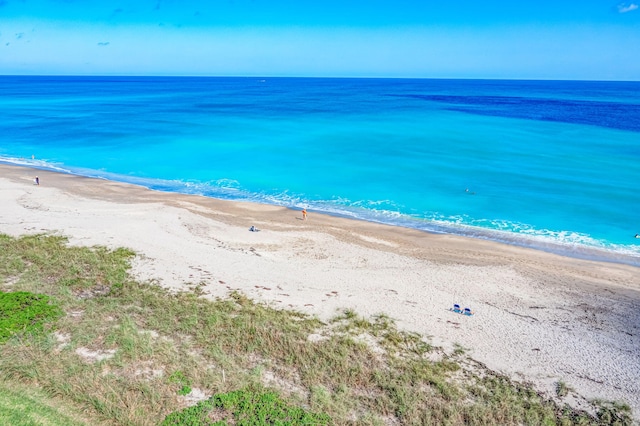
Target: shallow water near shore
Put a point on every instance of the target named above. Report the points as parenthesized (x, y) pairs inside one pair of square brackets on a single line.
[(548, 165)]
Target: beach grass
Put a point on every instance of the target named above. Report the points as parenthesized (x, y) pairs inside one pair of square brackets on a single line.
[(26, 406), (245, 406), (132, 353)]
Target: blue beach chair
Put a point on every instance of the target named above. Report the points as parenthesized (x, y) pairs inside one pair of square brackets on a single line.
[(456, 308), (467, 311)]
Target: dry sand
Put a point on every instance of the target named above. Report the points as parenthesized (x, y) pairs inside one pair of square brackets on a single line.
[(538, 317)]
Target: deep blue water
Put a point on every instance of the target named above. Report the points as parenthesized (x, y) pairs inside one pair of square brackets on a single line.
[(553, 165)]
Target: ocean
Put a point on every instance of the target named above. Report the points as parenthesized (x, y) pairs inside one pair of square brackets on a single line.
[(552, 165)]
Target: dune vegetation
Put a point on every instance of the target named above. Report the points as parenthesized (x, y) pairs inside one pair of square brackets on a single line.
[(82, 342)]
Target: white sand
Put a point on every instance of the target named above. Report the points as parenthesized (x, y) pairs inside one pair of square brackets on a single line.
[(538, 317)]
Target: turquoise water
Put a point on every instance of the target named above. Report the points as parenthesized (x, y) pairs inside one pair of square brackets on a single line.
[(549, 165)]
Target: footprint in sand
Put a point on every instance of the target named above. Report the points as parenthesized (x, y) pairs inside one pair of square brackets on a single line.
[(262, 287), (455, 324)]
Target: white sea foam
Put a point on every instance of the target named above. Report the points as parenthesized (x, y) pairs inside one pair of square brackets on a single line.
[(34, 163)]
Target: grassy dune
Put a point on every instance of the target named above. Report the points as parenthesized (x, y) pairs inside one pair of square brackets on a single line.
[(129, 353)]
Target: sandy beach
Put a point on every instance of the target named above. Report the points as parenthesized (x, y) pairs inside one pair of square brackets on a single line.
[(538, 317)]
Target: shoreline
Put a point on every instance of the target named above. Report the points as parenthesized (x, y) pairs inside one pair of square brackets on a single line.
[(539, 317), (539, 243)]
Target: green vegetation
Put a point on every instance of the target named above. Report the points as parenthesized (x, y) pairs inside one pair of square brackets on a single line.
[(23, 312), (245, 407), (562, 389), (20, 406), (613, 413), (185, 384), (132, 353)]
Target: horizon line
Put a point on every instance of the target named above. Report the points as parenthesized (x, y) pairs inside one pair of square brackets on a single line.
[(313, 77)]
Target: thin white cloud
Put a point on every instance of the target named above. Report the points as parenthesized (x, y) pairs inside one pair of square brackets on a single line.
[(624, 8)]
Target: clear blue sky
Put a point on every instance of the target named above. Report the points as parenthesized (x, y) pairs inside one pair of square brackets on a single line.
[(521, 39)]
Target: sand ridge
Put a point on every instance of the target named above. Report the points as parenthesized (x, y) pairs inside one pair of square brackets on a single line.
[(538, 316)]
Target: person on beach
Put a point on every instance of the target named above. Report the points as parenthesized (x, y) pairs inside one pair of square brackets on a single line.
[(304, 214), (37, 180)]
